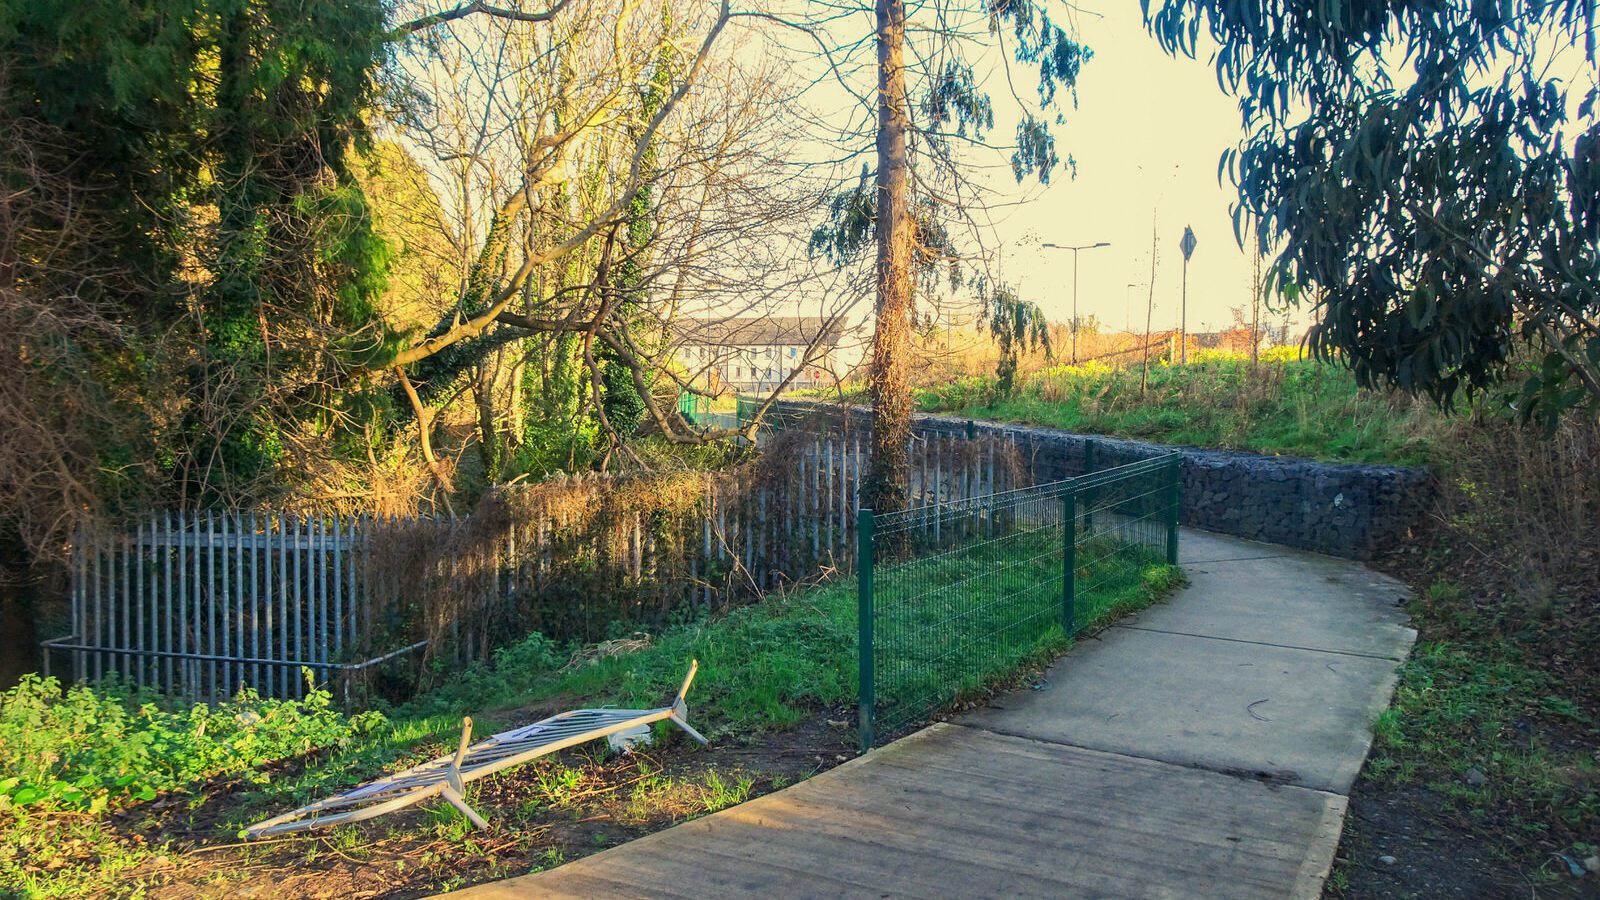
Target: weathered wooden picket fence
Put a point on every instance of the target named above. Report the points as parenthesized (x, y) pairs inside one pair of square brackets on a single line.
[(202, 604)]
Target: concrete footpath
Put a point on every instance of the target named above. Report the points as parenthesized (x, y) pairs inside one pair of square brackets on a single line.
[(1202, 749)]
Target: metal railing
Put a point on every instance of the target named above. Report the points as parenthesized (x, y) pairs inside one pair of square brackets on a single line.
[(954, 596)]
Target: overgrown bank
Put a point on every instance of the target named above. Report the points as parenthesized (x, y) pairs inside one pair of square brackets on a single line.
[(1282, 404), (1484, 778)]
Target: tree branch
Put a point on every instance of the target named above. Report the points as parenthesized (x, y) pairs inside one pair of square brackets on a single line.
[(405, 29)]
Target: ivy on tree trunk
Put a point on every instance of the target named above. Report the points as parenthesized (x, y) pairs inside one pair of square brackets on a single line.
[(888, 378)]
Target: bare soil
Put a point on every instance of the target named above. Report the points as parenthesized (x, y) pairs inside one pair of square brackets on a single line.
[(550, 811)]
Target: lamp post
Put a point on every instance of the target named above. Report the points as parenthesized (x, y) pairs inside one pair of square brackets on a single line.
[(1075, 287)]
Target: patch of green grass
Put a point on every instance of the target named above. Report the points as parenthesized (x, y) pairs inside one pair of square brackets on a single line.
[(1482, 728), (716, 794), (949, 625), (1282, 405), (979, 612)]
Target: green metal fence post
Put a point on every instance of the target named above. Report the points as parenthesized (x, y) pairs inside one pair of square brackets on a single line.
[(1174, 472), (865, 699), (1069, 561), (972, 430), (1088, 467)]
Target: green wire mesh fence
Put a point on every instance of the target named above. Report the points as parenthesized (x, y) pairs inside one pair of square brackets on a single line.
[(955, 595)]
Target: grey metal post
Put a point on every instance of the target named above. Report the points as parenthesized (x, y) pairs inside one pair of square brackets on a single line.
[(1088, 468)]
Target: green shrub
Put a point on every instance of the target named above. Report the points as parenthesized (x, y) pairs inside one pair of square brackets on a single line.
[(85, 748)]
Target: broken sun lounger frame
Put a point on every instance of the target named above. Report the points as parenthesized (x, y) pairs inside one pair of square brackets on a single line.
[(447, 776)]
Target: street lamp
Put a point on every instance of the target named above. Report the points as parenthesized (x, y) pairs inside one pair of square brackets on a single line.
[(1075, 287)]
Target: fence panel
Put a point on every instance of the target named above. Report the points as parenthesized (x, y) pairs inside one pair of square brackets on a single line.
[(201, 604), (954, 595)]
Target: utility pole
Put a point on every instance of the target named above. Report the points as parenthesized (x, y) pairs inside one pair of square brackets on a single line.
[(1075, 288), (1187, 245)]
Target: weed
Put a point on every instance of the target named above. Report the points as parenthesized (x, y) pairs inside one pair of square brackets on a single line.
[(718, 794), (549, 859), (1468, 723)]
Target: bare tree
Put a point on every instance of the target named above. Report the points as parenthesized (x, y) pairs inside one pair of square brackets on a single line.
[(552, 145)]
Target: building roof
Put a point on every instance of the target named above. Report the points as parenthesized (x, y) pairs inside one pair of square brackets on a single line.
[(760, 331)]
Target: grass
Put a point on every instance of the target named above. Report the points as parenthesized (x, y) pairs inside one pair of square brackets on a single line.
[(948, 626), (766, 667), (1284, 405), (1498, 738)]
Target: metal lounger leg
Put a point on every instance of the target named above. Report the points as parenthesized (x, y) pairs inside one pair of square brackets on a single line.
[(455, 799), (455, 789), (683, 691), (678, 721)]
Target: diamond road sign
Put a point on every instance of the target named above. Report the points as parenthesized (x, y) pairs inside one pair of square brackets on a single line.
[(1188, 242)]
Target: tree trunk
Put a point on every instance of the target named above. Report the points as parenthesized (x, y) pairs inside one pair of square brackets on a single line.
[(888, 380)]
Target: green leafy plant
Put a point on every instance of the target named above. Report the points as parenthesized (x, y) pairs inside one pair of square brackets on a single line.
[(90, 749)]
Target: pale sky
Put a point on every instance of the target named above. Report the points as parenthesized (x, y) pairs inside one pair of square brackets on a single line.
[(1146, 135)]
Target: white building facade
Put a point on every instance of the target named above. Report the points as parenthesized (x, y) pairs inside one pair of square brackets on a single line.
[(754, 355)]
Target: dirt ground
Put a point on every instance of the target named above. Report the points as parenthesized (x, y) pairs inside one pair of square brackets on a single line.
[(547, 812), (1435, 853)]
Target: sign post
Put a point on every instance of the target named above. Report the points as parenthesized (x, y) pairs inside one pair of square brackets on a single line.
[(1187, 245)]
